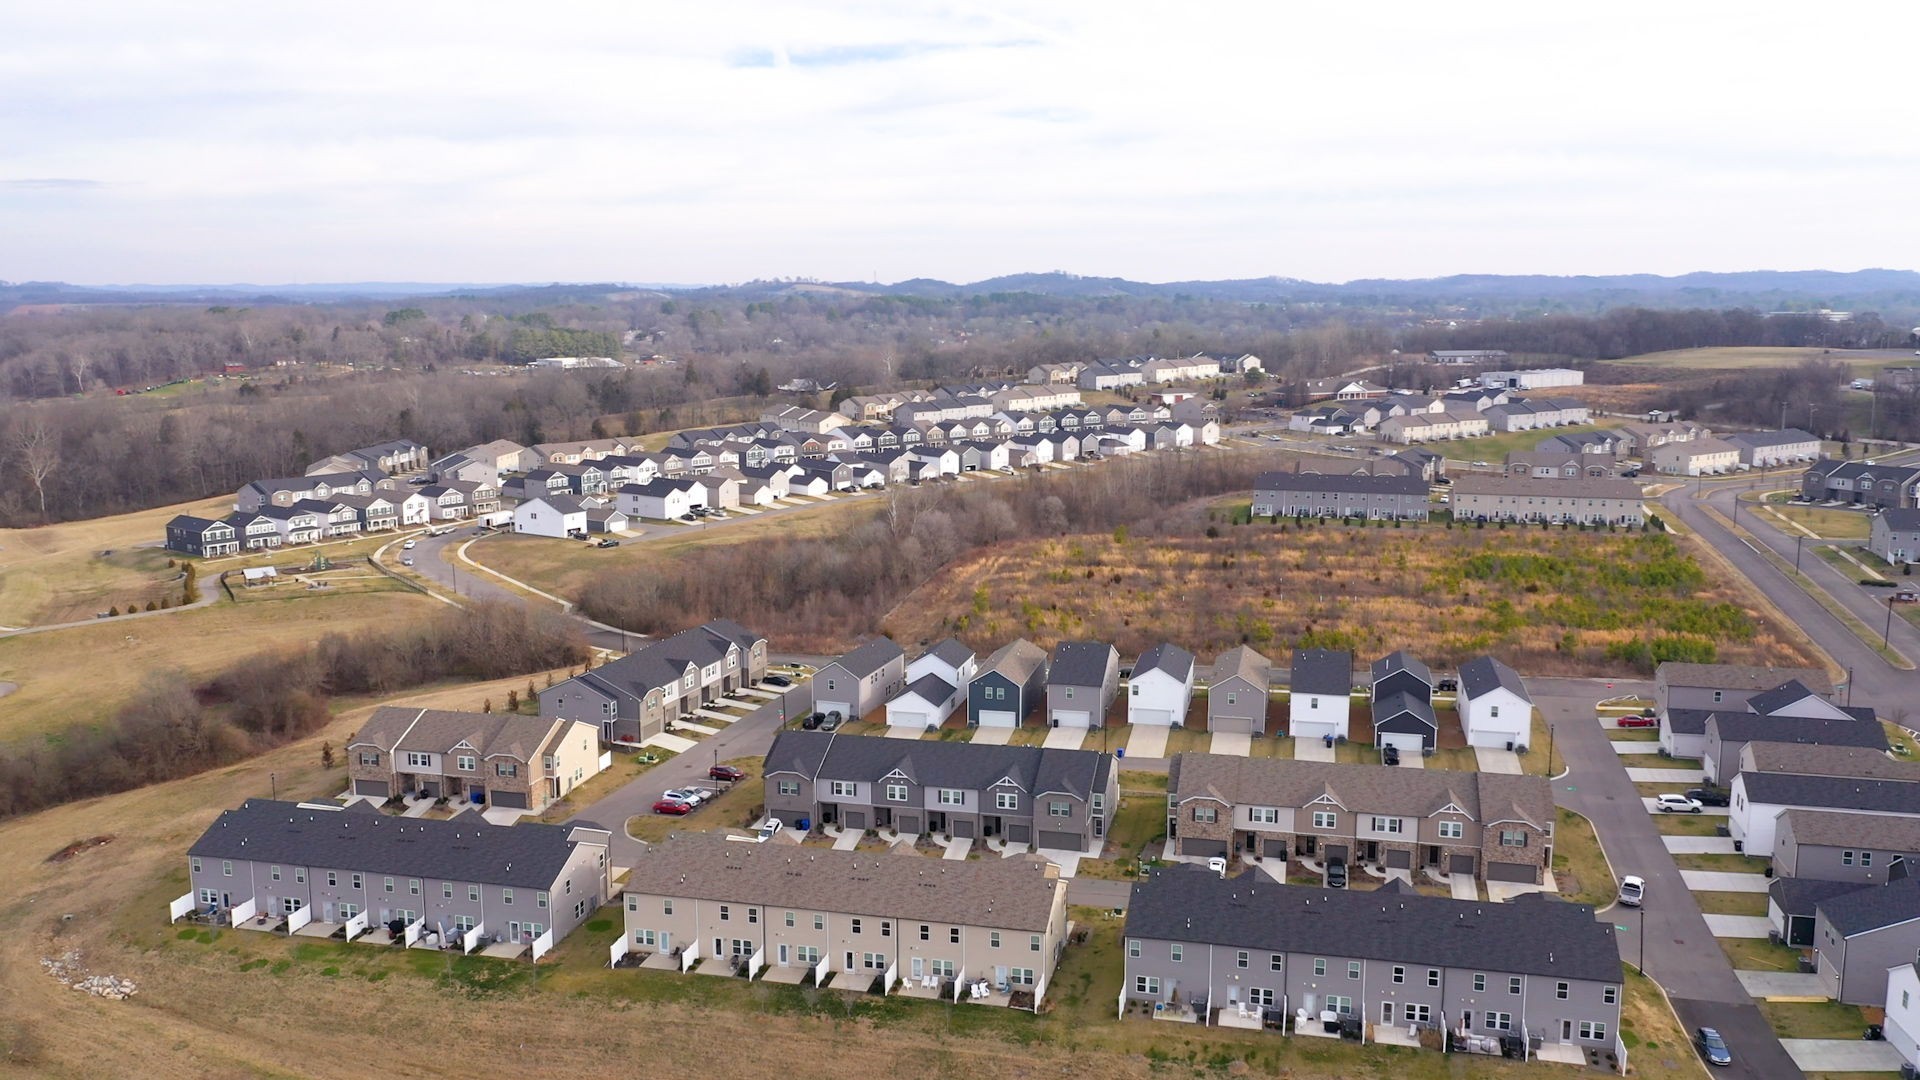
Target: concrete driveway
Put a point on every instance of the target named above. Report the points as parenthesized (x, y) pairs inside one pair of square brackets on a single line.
[(1724, 881), (1226, 742), (904, 731), (1699, 845), (1842, 1055), (1654, 807), (992, 736), (1070, 738), (1496, 760), (1739, 926), (1666, 776), (1148, 741), (1636, 748), (1784, 984), (1312, 750)]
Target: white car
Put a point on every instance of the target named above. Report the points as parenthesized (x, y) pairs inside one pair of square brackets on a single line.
[(1632, 891), (1677, 804), (769, 829), (696, 796), (408, 546), (1218, 864), (406, 560)]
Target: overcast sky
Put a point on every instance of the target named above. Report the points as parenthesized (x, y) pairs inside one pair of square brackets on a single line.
[(721, 141)]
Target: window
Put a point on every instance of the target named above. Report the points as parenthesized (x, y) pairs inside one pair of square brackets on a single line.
[(886, 927), (358, 882), (446, 890), (369, 758), (226, 870), (464, 762), (1415, 1012), (1143, 984), (855, 924), (210, 897), (506, 897), (808, 955), (1340, 1004), (388, 884), (1006, 800), (1263, 815), (1592, 1030), (1611, 995), (1399, 974), (645, 937), (952, 797), (1059, 809), (873, 961), (1313, 702), (1846, 858), (1866, 858), (1500, 1021), (417, 760), (1513, 985), (843, 789), (829, 684), (789, 787), (896, 793), (1513, 838), (926, 932), (506, 768), (1206, 814), (273, 872), (953, 935), (300, 874), (1560, 990), (1493, 710), (789, 918), (1133, 948), (413, 886), (1324, 819), (1353, 969), (1274, 963), (1069, 693), (1717, 696), (1136, 689), (1020, 976), (1319, 966), (1452, 830), (819, 922), (666, 907), (1386, 824), (196, 865), (1099, 801)]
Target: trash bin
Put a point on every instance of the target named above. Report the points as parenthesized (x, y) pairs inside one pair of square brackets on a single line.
[(1120, 752)]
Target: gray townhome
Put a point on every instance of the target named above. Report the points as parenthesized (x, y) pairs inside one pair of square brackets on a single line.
[(1008, 686), (1306, 494), (1057, 799), (1238, 695), (1827, 845), (1702, 688), (1895, 535), (1083, 678), (1792, 744), (861, 681), (1386, 965), (632, 699), (315, 868), (1857, 936)]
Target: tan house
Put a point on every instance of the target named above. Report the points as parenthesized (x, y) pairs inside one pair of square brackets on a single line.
[(987, 931), (1403, 821), (481, 759)]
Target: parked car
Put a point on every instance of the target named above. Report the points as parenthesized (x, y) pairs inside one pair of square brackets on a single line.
[(1907, 596), (777, 680), (689, 517), (814, 721), (672, 806), (769, 829), (406, 560), (1632, 891), (408, 546), (1639, 720), (690, 796), (727, 773), (1390, 755), (1676, 804), (1449, 685), (1712, 1047), (1336, 875), (831, 722), (1707, 796), (608, 542)]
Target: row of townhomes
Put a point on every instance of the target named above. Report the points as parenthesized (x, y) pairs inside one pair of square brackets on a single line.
[(633, 699), (1408, 418), (1535, 978), (979, 931), (1862, 483), (321, 870), (1391, 822), (1542, 487), (487, 760)]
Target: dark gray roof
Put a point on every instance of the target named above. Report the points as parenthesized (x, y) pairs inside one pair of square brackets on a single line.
[(1874, 907), (1377, 484), (1787, 437), (1406, 714), (1780, 697), (1484, 674), (1739, 728), (827, 755), (262, 830), (1533, 935), (1900, 518), (1830, 792), (1800, 896), (657, 487), (1080, 663), (932, 688), (1321, 671), (191, 523), (1166, 657), (1401, 660), (1689, 721), (870, 657), (952, 652)]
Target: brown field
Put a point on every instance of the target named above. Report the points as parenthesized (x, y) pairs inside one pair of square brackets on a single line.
[(58, 574), (1370, 589)]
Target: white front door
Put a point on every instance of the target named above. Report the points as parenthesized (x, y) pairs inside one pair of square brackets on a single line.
[(513, 931), (783, 955), (919, 968)]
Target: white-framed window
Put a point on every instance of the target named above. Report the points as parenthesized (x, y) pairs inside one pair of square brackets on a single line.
[(1059, 809), (1206, 814), (1353, 969), (506, 897), (886, 927), (952, 797), (417, 760), (855, 924), (789, 787), (226, 870), (1433, 976), (896, 793), (369, 757), (1513, 984), (1610, 995), (506, 768), (843, 789), (789, 919), (1500, 1021), (1242, 958), (387, 885), (1562, 991), (1386, 824), (1452, 830), (1319, 966), (1593, 1030), (1099, 801), (726, 912), (209, 897), (1513, 838), (953, 935), (1325, 819), (540, 899), (1133, 948), (819, 922), (465, 762), (1866, 858), (1146, 984), (1006, 800), (1263, 815), (473, 894), (300, 875), (808, 955), (1275, 962), (1399, 974), (993, 939), (273, 872), (358, 882), (1416, 1012), (645, 937)]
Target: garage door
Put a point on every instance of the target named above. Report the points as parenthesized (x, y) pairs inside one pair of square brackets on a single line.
[(1314, 730), (1399, 860), (376, 788), (1273, 849), (1019, 834), (1232, 725), (963, 828), (1336, 853), (1070, 718), (1161, 717), (1511, 871), (1460, 864), (996, 718), (1202, 848), (915, 718), (512, 800), (909, 824), (1408, 744), (841, 707), (1063, 841)]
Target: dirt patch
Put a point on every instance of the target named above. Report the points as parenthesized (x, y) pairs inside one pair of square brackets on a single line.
[(79, 846)]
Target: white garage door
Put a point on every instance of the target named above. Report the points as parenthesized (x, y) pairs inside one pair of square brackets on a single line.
[(1070, 718), (1314, 729), (844, 709), (1408, 744), (1160, 717), (994, 718), (909, 717)]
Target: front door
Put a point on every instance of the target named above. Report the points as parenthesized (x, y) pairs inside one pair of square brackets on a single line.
[(1566, 1031), (783, 955), (1433, 854), (1386, 1013), (513, 931)]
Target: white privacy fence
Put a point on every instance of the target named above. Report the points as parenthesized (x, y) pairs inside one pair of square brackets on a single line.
[(244, 910), (472, 938), (356, 926), (543, 944), (179, 907), (299, 918), (621, 946)]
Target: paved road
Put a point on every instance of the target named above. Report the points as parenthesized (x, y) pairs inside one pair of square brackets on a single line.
[(1681, 954)]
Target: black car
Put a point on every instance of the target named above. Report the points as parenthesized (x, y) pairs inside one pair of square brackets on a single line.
[(1712, 1047), (1448, 685), (1336, 875), (1390, 755), (777, 680), (1707, 796), (813, 721)]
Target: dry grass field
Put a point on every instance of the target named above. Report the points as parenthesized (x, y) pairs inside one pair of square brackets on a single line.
[(57, 574), (1550, 602)]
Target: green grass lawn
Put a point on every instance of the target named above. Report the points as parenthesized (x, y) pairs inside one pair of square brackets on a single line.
[(1736, 864), (1656, 761), (1634, 735), (1731, 903), (1578, 863), (1688, 824), (1759, 954), (1823, 522), (1493, 448), (1814, 1019), (1898, 736), (1647, 787), (1748, 358), (1140, 821)]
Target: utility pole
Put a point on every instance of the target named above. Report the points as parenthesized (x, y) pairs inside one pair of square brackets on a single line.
[(1886, 634), (1797, 538)]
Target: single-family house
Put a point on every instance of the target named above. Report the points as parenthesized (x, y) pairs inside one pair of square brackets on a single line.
[(1894, 535), (1796, 743), (1083, 677), (1495, 708), (860, 681), (1238, 693), (203, 537), (952, 660), (1683, 695), (1160, 689), (1858, 936), (559, 516), (1402, 696), (1901, 1025), (1011, 684), (659, 500), (1319, 693), (1757, 799)]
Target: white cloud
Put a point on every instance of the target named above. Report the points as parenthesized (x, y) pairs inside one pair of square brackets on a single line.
[(577, 141)]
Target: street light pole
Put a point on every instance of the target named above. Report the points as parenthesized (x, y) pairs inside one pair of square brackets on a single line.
[(1797, 538), (1640, 953), (1849, 688), (1886, 634)]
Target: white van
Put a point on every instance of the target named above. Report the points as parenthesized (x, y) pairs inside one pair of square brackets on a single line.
[(1632, 891)]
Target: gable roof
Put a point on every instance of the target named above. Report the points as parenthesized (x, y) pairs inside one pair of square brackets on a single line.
[(1080, 663), (1342, 483), (830, 755), (1014, 894), (1165, 657), (1484, 674), (870, 656), (952, 652), (1830, 792), (1404, 713), (1899, 518), (1874, 907), (1570, 487), (931, 688), (438, 731), (1781, 696), (1787, 437), (1533, 935), (1321, 671), (1802, 896), (1828, 828), (1739, 677), (1244, 663), (1017, 660), (1380, 789), (1751, 727), (1401, 660), (1857, 761), (464, 849)]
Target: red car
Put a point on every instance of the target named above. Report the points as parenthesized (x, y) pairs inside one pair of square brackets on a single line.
[(1639, 721), (672, 806), (728, 773)]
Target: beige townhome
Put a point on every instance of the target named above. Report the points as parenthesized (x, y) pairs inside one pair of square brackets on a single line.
[(985, 931), (502, 760)]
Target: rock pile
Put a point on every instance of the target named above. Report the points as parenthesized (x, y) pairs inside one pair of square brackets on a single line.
[(71, 972)]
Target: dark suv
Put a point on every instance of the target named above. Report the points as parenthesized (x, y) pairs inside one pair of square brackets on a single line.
[(1336, 875), (1707, 796)]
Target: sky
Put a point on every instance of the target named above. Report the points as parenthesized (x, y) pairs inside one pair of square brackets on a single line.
[(728, 140)]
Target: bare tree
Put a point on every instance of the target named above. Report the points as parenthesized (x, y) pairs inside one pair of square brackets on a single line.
[(39, 452)]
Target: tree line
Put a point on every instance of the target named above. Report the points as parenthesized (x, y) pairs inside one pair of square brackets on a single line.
[(180, 727)]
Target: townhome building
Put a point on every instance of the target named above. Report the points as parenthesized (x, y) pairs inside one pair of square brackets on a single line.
[(1434, 822), (254, 531), (290, 490), (984, 931), (1767, 449), (202, 537), (1307, 494), (1054, 799), (1533, 378), (296, 525), (335, 519), (1538, 975), (1861, 483), (486, 760), (632, 699), (373, 513), (1705, 456), (860, 681), (397, 456), (315, 869), (1639, 440), (1544, 464), (1583, 500), (1685, 694)]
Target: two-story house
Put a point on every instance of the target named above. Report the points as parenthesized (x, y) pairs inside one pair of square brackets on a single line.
[(632, 699), (1495, 708), (1402, 693), (1437, 822), (481, 759), (1160, 688), (315, 868), (1319, 693), (860, 681), (1083, 678), (199, 536), (1390, 964), (1010, 685), (1845, 747), (1053, 799), (1685, 694), (1237, 697), (933, 929)]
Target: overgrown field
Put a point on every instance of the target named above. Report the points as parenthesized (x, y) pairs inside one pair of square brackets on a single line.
[(1550, 602)]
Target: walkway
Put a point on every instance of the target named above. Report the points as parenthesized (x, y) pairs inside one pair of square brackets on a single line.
[(1497, 760)]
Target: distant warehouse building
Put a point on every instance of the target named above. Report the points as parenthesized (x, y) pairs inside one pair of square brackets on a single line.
[(1582, 500), (1532, 379), (1468, 356), (1298, 494), (1765, 449)]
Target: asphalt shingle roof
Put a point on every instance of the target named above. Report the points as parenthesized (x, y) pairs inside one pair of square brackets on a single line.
[(1739, 677), (952, 652), (931, 688), (1405, 714), (1874, 907), (869, 657), (1825, 828), (1245, 663), (437, 731), (1780, 697), (1856, 761), (464, 849), (1167, 657), (1533, 935), (1484, 674), (1401, 660), (1800, 896), (826, 755), (1750, 727), (1341, 483), (1017, 660), (1080, 663), (1830, 792), (1380, 789), (1321, 671)]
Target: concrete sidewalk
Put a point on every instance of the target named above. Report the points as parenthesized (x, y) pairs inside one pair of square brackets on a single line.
[(1724, 881), (1783, 984)]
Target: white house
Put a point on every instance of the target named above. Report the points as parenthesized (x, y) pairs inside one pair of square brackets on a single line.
[(558, 516), (1495, 709), (661, 500), (808, 483), (943, 458), (414, 508), (1902, 1025), (1757, 799), (951, 660), (925, 703), (1321, 693), (1161, 687)]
